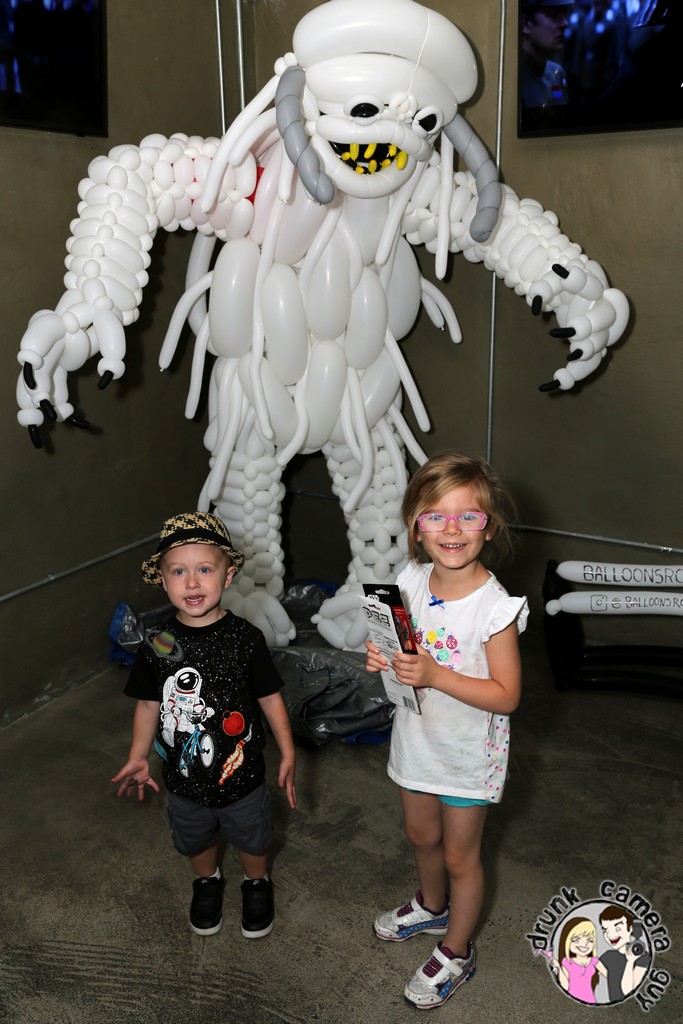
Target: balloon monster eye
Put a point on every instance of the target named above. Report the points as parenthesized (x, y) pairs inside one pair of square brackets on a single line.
[(427, 120), (364, 110)]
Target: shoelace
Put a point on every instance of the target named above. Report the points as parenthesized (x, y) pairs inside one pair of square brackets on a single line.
[(432, 967), (407, 909)]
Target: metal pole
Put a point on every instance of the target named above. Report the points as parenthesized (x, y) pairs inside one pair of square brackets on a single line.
[(494, 303)]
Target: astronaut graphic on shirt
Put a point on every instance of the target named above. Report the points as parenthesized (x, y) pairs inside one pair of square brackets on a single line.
[(182, 708)]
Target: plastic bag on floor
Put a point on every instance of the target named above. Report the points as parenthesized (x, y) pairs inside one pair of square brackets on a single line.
[(329, 694), (127, 630)]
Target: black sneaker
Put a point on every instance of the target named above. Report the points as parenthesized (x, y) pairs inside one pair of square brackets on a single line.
[(257, 907), (206, 911)]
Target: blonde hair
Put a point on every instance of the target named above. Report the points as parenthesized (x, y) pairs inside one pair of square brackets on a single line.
[(577, 926), (439, 475)]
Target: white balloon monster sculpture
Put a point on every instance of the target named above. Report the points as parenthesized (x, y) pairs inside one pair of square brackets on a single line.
[(319, 190)]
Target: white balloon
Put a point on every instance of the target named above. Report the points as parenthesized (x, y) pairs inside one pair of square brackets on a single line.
[(380, 385), (404, 293), (301, 222), (283, 416), (618, 602), (421, 36), (266, 192), (328, 299), (231, 305), (365, 331), (284, 323), (619, 573), (325, 385), (366, 218)]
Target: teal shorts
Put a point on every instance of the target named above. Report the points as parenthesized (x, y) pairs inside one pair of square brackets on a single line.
[(453, 801)]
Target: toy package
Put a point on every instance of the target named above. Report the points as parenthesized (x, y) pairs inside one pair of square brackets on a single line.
[(389, 629)]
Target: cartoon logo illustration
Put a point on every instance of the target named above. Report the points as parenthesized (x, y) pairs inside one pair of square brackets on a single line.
[(602, 951)]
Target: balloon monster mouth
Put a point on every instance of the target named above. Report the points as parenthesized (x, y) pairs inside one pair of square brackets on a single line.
[(370, 158)]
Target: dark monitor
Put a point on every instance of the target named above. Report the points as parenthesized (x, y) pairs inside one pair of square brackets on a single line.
[(612, 65), (53, 65)]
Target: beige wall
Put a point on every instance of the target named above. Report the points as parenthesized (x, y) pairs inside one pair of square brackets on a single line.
[(590, 461), (86, 494)]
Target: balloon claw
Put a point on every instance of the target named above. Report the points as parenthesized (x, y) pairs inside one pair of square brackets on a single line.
[(105, 380), (34, 434), (76, 421), (536, 305), (48, 410), (551, 385), (29, 378)]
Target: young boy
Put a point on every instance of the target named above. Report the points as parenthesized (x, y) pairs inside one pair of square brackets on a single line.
[(199, 682)]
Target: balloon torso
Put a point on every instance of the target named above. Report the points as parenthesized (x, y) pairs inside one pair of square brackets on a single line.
[(309, 277)]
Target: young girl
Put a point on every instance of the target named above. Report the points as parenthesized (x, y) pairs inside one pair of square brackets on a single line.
[(451, 760)]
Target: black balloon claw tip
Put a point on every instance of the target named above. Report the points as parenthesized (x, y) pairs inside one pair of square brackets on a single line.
[(536, 305), (562, 332), (76, 421), (561, 271), (29, 378), (105, 380), (34, 434), (48, 410), (551, 385), (573, 356)]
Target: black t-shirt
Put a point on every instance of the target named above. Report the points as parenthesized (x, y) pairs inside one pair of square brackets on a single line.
[(208, 681), (615, 962)]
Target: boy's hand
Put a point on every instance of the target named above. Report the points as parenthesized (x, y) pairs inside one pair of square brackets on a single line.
[(285, 780), (134, 776), (276, 713)]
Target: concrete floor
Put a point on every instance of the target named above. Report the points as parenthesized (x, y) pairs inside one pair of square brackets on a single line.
[(95, 900)]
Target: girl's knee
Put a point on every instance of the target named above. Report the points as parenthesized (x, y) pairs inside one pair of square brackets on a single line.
[(460, 864), (423, 838)]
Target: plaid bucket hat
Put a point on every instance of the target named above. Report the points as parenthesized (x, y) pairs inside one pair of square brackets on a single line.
[(190, 528)]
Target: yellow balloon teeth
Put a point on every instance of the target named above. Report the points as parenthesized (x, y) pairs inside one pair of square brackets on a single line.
[(376, 156)]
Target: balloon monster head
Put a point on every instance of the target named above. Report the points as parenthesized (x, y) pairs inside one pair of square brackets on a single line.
[(382, 79)]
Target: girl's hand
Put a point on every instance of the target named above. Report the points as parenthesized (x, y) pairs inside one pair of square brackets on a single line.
[(416, 671), (134, 776), (374, 661)]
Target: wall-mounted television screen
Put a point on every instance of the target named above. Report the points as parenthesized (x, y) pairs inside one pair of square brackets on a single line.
[(53, 72), (610, 65)]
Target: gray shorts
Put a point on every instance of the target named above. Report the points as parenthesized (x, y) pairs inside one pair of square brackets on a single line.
[(246, 824)]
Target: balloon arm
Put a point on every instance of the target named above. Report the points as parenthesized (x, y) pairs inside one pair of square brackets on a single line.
[(126, 197), (528, 251)]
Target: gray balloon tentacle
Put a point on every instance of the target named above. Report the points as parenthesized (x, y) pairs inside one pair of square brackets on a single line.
[(297, 143), (473, 151)]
